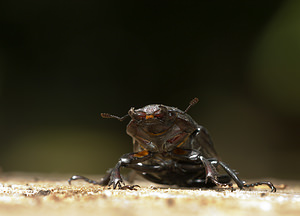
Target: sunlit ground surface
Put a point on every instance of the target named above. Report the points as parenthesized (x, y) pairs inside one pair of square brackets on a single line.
[(34, 194)]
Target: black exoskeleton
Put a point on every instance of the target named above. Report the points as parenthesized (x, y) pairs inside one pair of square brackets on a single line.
[(170, 148)]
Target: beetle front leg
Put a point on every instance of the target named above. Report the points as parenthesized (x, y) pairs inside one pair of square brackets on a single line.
[(241, 184), (126, 160), (211, 173), (104, 181), (196, 157)]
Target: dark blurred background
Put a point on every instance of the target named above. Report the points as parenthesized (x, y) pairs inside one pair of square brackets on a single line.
[(62, 63)]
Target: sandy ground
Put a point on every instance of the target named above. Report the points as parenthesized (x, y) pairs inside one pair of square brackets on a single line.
[(35, 194)]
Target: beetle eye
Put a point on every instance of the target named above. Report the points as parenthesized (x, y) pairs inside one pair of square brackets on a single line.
[(158, 114), (140, 115)]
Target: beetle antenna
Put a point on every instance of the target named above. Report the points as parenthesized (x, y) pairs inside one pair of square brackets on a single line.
[(106, 115), (192, 103)]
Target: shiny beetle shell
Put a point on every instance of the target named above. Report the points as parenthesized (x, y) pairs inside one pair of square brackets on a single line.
[(170, 148)]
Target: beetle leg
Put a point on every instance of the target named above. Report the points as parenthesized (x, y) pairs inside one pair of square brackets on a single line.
[(211, 173), (273, 188), (130, 187), (194, 156), (104, 181), (125, 161), (115, 177), (241, 184)]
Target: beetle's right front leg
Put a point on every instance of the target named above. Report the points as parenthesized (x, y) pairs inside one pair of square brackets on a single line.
[(124, 161)]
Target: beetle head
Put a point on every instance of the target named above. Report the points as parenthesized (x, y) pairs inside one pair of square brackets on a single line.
[(152, 115)]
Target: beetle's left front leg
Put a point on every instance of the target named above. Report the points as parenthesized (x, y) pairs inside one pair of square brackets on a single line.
[(194, 156), (241, 184), (211, 172), (124, 161)]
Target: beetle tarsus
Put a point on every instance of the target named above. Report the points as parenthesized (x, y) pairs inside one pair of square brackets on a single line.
[(271, 186), (77, 177), (241, 184), (116, 182), (104, 181), (127, 159), (130, 187)]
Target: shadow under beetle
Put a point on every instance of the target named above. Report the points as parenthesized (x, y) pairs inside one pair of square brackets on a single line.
[(170, 148)]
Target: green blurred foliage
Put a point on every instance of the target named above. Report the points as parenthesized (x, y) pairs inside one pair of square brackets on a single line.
[(63, 63), (64, 150), (276, 64)]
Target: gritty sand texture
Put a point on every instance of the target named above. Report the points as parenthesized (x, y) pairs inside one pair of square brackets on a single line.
[(35, 194)]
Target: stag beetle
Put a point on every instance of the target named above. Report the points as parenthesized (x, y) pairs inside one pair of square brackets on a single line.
[(170, 148)]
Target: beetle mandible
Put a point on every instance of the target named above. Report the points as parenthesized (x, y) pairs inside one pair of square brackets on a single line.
[(170, 148)]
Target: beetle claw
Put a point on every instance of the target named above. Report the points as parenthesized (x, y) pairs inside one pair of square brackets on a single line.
[(129, 187), (116, 182), (214, 179)]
